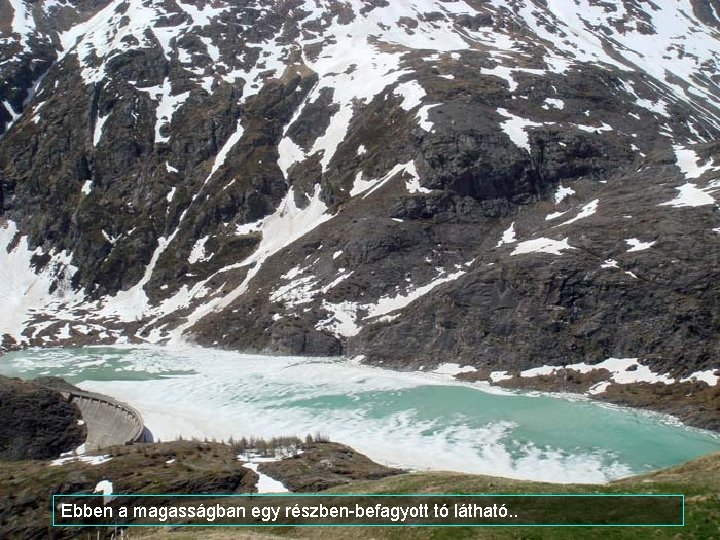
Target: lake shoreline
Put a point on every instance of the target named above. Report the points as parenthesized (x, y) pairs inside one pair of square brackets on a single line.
[(348, 396), (693, 404)]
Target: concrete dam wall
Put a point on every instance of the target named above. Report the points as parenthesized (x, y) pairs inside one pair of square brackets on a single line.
[(109, 422)]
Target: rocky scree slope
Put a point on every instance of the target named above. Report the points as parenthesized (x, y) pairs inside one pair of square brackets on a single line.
[(500, 184)]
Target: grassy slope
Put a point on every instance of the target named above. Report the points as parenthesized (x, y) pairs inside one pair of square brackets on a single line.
[(699, 480)]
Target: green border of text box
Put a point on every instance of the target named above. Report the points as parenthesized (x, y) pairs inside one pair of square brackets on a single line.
[(248, 495)]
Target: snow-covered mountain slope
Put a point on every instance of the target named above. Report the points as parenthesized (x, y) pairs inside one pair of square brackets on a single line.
[(504, 184)]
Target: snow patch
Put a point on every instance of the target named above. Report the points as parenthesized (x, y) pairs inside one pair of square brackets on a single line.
[(709, 377), (91, 460), (98, 131), (563, 192), (225, 150), (289, 154), (22, 23), (166, 106), (638, 245), (344, 321), (594, 129), (23, 292), (265, 484), (554, 103), (555, 215), (198, 251), (366, 187), (411, 93), (687, 161), (413, 183), (388, 304), (499, 376), (690, 196), (586, 211), (106, 488), (598, 388), (508, 236), (450, 368), (610, 263), (516, 127), (286, 225), (622, 371), (423, 116), (542, 245)]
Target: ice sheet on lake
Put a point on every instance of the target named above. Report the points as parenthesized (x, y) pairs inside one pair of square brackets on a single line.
[(390, 416)]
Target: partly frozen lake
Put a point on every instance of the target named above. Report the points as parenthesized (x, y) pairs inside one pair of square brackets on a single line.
[(415, 420)]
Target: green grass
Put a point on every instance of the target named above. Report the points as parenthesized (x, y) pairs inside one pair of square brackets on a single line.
[(698, 480), (26, 489)]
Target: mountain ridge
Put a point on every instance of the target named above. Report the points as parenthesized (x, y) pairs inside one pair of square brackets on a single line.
[(501, 185)]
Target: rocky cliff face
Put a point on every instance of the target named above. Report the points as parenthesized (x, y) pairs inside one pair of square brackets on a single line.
[(500, 184), (38, 423)]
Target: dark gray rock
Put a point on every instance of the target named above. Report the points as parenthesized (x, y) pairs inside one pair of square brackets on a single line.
[(37, 422)]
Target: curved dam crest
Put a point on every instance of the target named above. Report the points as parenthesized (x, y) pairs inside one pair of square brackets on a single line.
[(109, 422)]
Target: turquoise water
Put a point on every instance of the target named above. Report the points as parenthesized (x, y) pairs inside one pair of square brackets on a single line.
[(415, 420), (89, 364)]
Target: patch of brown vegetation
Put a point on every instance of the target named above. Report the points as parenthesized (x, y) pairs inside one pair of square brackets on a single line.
[(179, 467), (323, 465)]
